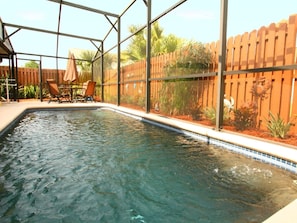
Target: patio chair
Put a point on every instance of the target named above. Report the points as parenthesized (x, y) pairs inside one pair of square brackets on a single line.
[(90, 91), (55, 93), (87, 93)]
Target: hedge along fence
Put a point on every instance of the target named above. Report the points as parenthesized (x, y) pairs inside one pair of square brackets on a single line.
[(264, 91)]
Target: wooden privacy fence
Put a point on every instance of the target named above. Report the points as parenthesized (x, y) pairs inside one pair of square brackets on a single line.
[(30, 76), (271, 46)]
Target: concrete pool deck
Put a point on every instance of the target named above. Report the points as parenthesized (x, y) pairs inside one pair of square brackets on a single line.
[(10, 113)]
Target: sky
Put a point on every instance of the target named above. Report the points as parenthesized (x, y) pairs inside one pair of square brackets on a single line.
[(193, 20)]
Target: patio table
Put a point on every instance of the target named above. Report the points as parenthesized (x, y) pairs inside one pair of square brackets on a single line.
[(76, 90), (66, 89)]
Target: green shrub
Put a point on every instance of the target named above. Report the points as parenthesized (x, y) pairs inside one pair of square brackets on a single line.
[(141, 101), (244, 117), (177, 94), (196, 112), (27, 91), (31, 91), (277, 127), (210, 114)]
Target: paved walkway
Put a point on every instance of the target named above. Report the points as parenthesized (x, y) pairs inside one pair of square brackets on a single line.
[(11, 112)]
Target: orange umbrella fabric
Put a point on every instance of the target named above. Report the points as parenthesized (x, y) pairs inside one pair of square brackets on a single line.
[(71, 70)]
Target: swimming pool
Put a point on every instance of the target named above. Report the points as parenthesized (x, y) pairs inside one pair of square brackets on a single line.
[(100, 166)]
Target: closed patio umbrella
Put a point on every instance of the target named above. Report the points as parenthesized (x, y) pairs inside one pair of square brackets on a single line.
[(71, 70)]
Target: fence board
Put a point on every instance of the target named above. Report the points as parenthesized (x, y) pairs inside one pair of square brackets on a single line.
[(290, 58), (268, 61), (242, 78), (235, 93), (274, 45), (276, 79), (229, 66)]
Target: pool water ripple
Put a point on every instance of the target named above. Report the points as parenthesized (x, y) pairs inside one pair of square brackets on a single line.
[(99, 166)]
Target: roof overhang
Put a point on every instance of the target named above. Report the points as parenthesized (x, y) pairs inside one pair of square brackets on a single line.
[(6, 48)]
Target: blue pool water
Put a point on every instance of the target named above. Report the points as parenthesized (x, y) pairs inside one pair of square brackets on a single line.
[(100, 166)]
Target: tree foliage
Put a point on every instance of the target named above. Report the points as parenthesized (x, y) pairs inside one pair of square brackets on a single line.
[(160, 43), (86, 62), (31, 64), (87, 58), (193, 57), (179, 96)]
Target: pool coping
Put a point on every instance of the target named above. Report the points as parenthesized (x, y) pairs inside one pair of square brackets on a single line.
[(278, 154)]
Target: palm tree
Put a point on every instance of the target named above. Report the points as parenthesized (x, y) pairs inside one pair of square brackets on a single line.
[(160, 44), (137, 48), (85, 63), (171, 43)]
